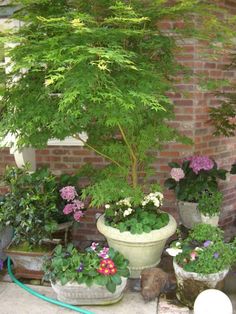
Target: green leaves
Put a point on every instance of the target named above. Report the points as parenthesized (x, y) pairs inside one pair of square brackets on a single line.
[(67, 264), (30, 206)]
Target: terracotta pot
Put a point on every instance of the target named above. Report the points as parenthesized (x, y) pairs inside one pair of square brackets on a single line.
[(190, 284), (80, 294), (142, 250)]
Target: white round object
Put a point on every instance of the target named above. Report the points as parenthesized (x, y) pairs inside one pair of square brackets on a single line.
[(212, 301)]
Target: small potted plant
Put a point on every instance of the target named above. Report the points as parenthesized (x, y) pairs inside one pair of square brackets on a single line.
[(29, 208), (202, 260), (192, 178), (96, 276), (209, 205), (138, 230)]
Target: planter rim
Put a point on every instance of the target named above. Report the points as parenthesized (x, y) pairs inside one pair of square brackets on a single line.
[(187, 202), (199, 276), (12, 252), (126, 236), (74, 283)]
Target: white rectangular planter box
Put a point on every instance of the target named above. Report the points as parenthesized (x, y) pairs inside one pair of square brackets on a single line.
[(80, 294)]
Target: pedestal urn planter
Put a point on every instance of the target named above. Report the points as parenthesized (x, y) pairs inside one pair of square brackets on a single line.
[(80, 294), (190, 284), (142, 250)]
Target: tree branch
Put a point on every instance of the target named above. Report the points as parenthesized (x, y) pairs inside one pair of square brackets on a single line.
[(97, 151)]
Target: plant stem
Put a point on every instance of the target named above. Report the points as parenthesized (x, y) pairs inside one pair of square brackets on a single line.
[(134, 166), (97, 151)]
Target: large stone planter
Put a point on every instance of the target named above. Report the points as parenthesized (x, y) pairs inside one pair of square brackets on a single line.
[(142, 250), (6, 234), (80, 294), (189, 214), (190, 284)]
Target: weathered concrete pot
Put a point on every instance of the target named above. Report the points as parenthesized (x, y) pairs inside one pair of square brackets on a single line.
[(80, 294), (142, 250), (190, 284), (210, 220), (189, 214), (6, 234), (30, 261)]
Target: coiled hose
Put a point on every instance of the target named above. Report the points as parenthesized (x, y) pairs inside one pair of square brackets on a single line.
[(41, 296)]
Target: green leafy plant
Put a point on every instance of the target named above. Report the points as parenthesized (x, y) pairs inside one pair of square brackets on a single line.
[(144, 217), (204, 250), (210, 203), (105, 68), (30, 205), (194, 176), (97, 265)]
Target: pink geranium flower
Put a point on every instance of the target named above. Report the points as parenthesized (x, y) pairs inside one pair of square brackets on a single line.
[(78, 204), (68, 193), (69, 208), (78, 215), (177, 174)]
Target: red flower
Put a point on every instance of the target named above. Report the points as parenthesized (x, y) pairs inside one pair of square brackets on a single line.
[(107, 267)]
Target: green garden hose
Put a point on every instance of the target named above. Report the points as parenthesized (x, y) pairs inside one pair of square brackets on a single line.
[(43, 297)]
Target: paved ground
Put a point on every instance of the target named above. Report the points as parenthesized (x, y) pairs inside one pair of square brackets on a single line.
[(15, 300)]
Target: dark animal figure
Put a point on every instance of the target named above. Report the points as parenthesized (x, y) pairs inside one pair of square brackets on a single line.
[(155, 281)]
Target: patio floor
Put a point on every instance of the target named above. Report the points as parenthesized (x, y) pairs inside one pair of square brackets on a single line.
[(15, 300)]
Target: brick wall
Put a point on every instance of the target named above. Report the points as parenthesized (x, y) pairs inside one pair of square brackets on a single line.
[(191, 107)]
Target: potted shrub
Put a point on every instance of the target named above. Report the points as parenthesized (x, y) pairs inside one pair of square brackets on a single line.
[(190, 180), (209, 206), (29, 208), (96, 276), (138, 230), (201, 262)]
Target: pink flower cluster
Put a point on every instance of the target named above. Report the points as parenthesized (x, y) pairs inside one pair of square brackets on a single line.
[(177, 174), (68, 193), (74, 205), (104, 253), (198, 163)]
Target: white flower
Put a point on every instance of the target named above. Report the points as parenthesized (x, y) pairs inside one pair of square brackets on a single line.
[(172, 251), (107, 206), (126, 213), (125, 201)]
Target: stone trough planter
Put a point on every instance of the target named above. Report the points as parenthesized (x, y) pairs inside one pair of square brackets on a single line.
[(80, 294)]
